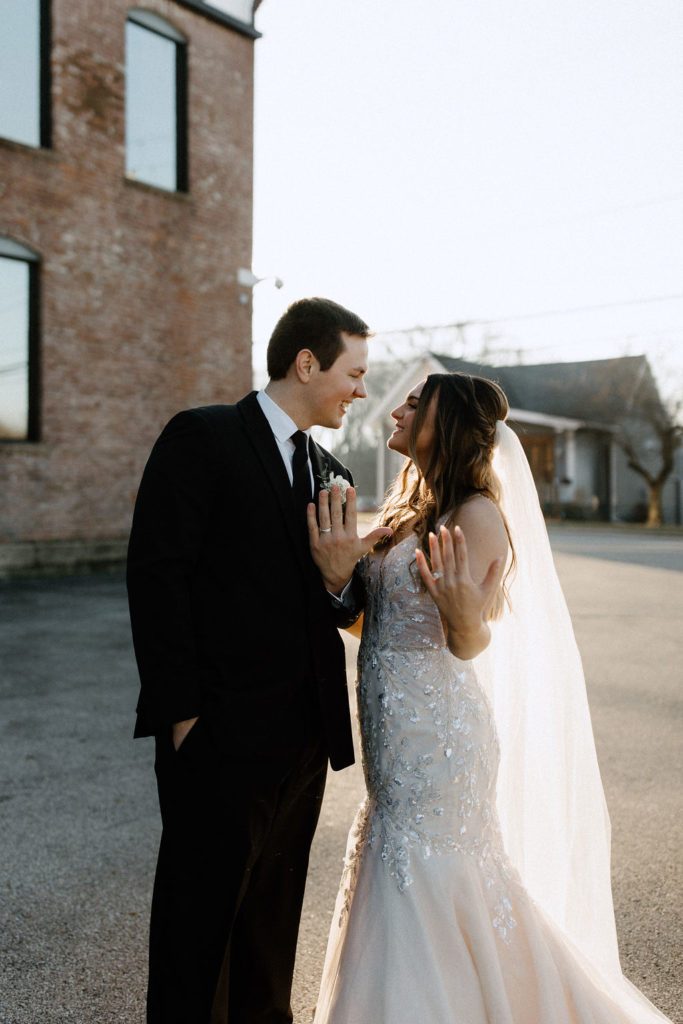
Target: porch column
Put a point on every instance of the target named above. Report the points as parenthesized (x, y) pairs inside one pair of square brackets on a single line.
[(613, 495), (570, 456)]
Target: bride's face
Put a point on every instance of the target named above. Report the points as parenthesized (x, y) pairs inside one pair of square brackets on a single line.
[(404, 416)]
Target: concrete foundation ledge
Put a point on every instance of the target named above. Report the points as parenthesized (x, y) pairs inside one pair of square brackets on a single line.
[(61, 557)]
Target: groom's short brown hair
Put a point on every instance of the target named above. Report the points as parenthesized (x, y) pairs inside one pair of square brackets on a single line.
[(315, 324)]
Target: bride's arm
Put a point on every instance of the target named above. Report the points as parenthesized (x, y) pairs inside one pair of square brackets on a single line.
[(465, 577)]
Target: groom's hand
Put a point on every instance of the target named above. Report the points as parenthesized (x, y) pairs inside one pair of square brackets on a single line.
[(334, 540)]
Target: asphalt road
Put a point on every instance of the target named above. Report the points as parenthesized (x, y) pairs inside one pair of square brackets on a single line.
[(79, 823)]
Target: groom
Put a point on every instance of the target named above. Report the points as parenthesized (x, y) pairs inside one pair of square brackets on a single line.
[(242, 669)]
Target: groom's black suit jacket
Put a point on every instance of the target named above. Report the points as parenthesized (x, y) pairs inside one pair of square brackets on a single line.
[(231, 621)]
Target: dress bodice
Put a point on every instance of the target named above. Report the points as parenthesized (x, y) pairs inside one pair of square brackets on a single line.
[(430, 752)]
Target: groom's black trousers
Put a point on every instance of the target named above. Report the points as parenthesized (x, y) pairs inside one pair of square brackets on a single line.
[(230, 879)]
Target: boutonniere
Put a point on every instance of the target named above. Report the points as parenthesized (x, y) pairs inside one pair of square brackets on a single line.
[(328, 480)]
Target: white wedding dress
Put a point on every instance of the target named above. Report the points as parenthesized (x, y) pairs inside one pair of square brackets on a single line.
[(432, 923)]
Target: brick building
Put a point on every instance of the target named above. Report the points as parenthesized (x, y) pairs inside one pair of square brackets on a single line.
[(125, 214)]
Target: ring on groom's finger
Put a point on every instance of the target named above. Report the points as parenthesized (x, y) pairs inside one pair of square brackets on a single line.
[(328, 529), (437, 575)]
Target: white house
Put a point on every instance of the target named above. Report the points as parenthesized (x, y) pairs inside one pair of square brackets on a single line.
[(568, 417)]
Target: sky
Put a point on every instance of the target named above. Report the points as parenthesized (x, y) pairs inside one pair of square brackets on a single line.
[(515, 166)]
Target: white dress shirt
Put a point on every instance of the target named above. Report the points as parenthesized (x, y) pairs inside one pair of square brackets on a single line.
[(283, 426)]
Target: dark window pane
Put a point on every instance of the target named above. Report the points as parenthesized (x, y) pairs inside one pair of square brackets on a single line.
[(20, 71), (14, 348), (151, 143)]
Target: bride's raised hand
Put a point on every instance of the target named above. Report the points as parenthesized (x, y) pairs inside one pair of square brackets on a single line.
[(462, 602)]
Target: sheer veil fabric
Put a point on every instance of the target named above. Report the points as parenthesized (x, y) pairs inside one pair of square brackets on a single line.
[(550, 797)]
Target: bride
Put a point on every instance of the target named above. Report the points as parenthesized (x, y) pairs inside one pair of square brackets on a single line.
[(476, 887)]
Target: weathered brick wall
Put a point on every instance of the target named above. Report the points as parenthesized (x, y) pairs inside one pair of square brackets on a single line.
[(139, 301)]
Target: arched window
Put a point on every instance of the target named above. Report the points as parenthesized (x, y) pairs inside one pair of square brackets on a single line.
[(156, 102), (25, 79), (19, 327)]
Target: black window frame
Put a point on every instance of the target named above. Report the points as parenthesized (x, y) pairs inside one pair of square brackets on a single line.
[(155, 23), (45, 74), (12, 250), (44, 81)]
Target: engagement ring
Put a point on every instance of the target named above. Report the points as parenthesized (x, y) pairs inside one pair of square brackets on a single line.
[(328, 530), (437, 575)]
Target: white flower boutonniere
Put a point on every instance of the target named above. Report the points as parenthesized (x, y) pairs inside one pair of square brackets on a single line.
[(328, 480)]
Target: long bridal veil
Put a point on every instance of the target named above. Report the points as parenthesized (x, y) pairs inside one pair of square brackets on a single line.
[(550, 796)]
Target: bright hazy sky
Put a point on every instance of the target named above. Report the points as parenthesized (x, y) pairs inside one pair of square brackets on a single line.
[(442, 161)]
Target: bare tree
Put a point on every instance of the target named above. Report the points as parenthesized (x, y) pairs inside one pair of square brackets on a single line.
[(624, 393), (652, 457)]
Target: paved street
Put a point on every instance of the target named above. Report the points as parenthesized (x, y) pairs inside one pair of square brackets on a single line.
[(79, 823)]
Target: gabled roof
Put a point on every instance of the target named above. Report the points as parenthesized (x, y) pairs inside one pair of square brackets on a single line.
[(598, 390)]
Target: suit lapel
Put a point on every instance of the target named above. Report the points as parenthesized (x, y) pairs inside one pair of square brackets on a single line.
[(319, 466), (266, 450)]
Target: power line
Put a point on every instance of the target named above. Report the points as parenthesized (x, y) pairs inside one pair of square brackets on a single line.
[(539, 315), (590, 215)]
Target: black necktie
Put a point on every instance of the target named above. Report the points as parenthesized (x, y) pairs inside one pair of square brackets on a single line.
[(301, 483)]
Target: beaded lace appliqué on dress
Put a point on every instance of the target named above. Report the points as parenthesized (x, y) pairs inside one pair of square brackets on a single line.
[(430, 753)]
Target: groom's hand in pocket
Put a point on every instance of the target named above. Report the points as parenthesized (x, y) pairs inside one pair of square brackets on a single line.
[(334, 540), (180, 731)]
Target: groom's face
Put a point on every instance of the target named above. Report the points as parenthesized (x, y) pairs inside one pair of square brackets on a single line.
[(332, 391)]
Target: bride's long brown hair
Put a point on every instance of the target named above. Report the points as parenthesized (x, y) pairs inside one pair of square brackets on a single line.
[(466, 411)]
